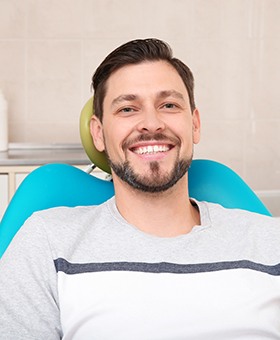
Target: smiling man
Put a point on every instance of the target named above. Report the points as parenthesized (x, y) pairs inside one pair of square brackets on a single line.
[(147, 125), (150, 263)]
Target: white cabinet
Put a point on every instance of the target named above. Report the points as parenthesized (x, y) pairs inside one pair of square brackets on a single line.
[(4, 189), (10, 179)]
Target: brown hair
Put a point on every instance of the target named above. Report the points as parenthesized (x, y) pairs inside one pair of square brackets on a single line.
[(135, 52)]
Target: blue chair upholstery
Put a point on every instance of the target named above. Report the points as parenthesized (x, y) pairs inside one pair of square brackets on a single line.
[(64, 185), (50, 186), (215, 182)]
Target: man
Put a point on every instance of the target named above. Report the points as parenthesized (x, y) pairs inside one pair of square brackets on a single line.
[(150, 263)]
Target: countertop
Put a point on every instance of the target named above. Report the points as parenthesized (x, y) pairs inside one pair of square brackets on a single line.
[(34, 154)]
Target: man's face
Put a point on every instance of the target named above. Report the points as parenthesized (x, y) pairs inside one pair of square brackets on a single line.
[(148, 129)]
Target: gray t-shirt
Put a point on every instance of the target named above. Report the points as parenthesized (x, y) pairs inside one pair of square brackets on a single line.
[(85, 273)]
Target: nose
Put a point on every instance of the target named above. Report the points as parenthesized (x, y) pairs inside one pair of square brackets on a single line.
[(151, 121)]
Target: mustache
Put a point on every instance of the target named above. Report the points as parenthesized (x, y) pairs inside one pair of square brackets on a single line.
[(147, 137)]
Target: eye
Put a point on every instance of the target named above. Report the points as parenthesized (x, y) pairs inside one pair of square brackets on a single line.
[(169, 106), (127, 110), (173, 107)]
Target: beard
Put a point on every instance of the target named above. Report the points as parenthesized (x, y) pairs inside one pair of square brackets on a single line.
[(155, 181)]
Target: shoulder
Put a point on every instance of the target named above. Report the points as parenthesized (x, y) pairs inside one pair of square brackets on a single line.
[(249, 228), (57, 217), (244, 234), (240, 216), (62, 228), (212, 213)]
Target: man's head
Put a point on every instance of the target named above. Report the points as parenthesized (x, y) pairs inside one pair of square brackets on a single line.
[(136, 52), (146, 120)]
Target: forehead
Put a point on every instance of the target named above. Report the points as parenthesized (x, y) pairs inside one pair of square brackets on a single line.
[(144, 79)]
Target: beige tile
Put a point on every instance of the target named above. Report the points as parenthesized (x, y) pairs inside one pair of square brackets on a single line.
[(52, 132), (54, 59), (128, 19), (111, 19), (206, 66), (52, 100), (268, 21), (18, 132), (222, 141), (174, 20), (207, 18), (55, 19), (222, 71), (12, 19), (12, 60), (12, 78), (238, 18), (54, 82), (238, 80), (262, 154), (265, 79), (237, 70)]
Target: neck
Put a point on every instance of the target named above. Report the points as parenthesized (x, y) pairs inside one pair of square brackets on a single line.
[(166, 214)]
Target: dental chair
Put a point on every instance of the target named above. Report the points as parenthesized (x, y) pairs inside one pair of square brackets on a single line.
[(55, 185)]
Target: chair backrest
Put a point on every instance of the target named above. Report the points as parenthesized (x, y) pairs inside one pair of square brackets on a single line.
[(215, 182), (50, 186), (64, 185)]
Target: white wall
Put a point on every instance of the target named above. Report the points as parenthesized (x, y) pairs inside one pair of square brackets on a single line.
[(50, 48)]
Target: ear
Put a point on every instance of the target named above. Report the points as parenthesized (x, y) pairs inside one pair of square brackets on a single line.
[(196, 126), (96, 130)]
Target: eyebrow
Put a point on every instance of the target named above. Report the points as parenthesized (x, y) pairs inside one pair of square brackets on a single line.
[(159, 95), (124, 98), (170, 93)]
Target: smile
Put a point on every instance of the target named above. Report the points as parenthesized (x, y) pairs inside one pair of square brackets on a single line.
[(151, 149)]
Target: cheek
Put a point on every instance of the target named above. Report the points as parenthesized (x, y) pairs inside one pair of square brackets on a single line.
[(185, 131), (186, 136), (113, 140), (117, 131)]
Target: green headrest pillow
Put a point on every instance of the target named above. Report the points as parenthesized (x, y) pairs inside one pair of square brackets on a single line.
[(98, 158)]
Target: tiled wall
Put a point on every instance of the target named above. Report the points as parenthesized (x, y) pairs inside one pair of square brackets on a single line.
[(50, 48)]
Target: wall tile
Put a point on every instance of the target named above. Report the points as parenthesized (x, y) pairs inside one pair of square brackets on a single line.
[(18, 132), (12, 19), (207, 18), (55, 19), (237, 19), (128, 19), (269, 18), (112, 19), (223, 141), (223, 72), (54, 81), (49, 50), (262, 154), (59, 131), (265, 79), (12, 78)]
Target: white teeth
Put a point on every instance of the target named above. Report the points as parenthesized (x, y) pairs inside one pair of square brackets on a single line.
[(150, 149)]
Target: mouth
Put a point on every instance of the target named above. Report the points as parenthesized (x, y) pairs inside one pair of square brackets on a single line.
[(151, 149)]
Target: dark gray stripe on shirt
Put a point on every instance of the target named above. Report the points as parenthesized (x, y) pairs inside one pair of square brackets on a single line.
[(63, 265)]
